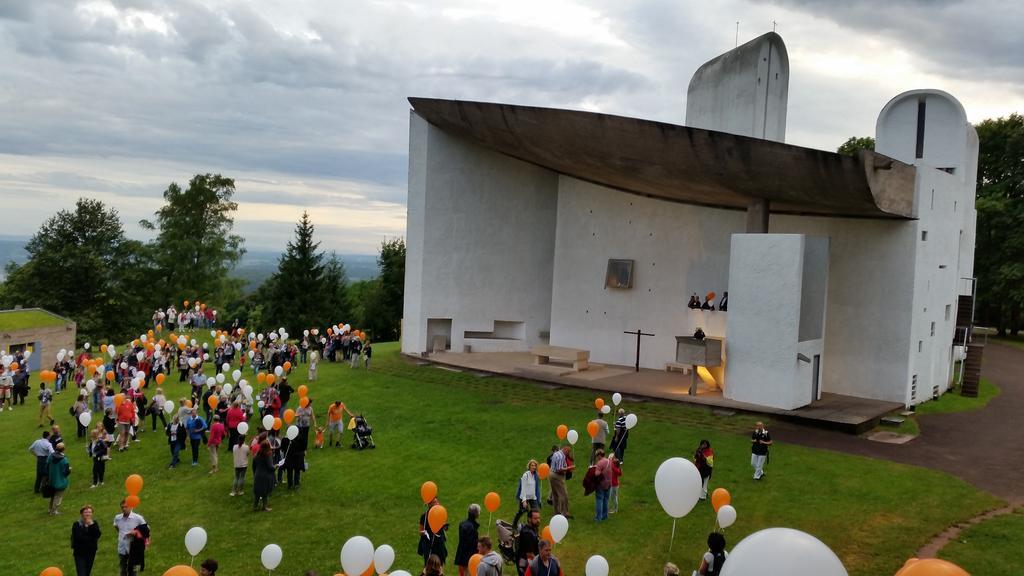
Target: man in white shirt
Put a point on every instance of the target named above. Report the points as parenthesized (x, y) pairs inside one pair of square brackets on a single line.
[(126, 522), (41, 448)]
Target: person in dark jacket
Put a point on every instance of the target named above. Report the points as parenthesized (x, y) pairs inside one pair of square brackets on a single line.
[(58, 469), (432, 543), (85, 535), (263, 476), (469, 531), (528, 546)]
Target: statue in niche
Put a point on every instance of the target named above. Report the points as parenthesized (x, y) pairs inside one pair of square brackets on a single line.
[(698, 334), (723, 304), (708, 302), (694, 303)]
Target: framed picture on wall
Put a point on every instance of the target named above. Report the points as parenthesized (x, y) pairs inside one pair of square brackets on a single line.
[(619, 275)]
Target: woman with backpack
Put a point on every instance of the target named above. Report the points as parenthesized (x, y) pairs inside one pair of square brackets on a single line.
[(715, 557)]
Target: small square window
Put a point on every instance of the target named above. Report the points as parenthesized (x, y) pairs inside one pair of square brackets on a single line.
[(949, 311), (924, 235)]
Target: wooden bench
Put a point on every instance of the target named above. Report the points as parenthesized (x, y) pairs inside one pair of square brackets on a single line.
[(580, 359)]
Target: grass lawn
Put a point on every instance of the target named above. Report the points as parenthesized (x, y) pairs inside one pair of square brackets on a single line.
[(991, 548), (955, 402), (11, 320), (472, 435)]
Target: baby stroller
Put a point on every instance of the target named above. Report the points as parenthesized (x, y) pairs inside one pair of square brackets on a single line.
[(508, 541), (363, 434)]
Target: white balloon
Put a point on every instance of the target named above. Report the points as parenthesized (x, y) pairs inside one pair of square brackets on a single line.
[(135, 385), (268, 420), (60, 355), (278, 371), (271, 556), (124, 365), (144, 338), (597, 566), (213, 333), (292, 433), (281, 332), (399, 573), (86, 346), (206, 357), (90, 385), (28, 354), (85, 418), (112, 351), (140, 355), (195, 540), (677, 484), (210, 381), (782, 551), (252, 353), (220, 378), (228, 389), (182, 340), (238, 346), (383, 557), (169, 406), (192, 342), (260, 337), (306, 333), (559, 527), (273, 335), (225, 367), (616, 398), (356, 555), (243, 428), (726, 516), (236, 375), (284, 336), (606, 409), (260, 404), (630, 421), (572, 436), (100, 368)]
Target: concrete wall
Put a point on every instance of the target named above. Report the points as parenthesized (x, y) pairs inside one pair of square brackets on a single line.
[(481, 231), (678, 249), (744, 91), (765, 280), (44, 342)]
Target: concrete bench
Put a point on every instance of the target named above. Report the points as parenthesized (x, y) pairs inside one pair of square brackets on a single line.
[(580, 359)]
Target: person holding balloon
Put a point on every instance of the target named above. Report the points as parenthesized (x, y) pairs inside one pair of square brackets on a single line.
[(528, 492), (99, 452), (263, 476), (620, 436), (132, 531), (156, 408), (433, 535), (240, 458), (704, 460)]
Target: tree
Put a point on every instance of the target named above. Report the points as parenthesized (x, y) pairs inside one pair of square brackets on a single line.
[(999, 247), (384, 297), (297, 298), (854, 145), (81, 266), (335, 292), (195, 248)]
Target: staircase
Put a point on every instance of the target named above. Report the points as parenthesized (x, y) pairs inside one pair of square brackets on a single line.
[(972, 370)]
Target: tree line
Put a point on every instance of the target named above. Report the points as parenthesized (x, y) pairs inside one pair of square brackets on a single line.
[(83, 266), (999, 244)]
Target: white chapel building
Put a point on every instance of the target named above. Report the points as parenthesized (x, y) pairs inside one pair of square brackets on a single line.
[(531, 226)]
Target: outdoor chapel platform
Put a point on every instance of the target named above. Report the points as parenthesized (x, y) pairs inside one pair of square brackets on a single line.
[(833, 411)]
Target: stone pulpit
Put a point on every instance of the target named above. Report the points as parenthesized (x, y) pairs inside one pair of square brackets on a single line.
[(705, 352)]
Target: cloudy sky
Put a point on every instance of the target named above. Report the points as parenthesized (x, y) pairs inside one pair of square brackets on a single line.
[(303, 101)]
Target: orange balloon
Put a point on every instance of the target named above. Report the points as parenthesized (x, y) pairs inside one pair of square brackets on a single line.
[(212, 401), (181, 346), (931, 567), (159, 327), (150, 333), (132, 500), (202, 306), (271, 379), (103, 348), (720, 497), (303, 390), (599, 403), (545, 534), (492, 501), (261, 377), (710, 296), (369, 571), (330, 332), (188, 403), (51, 571), (186, 303), (474, 562), (14, 368), (437, 516), (160, 378), (304, 401), (110, 375), (172, 336), (543, 470), (133, 484), (428, 491), (592, 428), (135, 342), (277, 423), (118, 398), (287, 366), (289, 415), (561, 431), (181, 570)]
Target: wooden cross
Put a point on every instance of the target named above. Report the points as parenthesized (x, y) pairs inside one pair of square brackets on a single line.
[(638, 332)]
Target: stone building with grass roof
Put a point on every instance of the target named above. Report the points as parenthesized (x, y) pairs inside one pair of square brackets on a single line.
[(35, 329)]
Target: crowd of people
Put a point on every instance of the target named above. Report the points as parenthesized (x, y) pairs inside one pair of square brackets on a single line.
[(216, 410)]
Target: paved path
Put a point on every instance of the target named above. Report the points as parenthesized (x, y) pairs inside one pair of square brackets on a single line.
[(984, 447)]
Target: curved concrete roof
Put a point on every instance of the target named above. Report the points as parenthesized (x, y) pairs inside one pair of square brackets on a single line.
[(682, 164)]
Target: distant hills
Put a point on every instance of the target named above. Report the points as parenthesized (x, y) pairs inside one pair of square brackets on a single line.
[(255, 267)]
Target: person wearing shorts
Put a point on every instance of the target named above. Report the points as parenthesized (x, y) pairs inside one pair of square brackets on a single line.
[(336, 422), (6, 388)]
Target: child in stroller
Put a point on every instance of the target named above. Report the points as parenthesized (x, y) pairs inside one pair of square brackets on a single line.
[(508, 540), (363, 437)]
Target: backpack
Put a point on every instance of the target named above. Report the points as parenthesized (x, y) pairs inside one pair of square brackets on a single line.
[(591, 481)]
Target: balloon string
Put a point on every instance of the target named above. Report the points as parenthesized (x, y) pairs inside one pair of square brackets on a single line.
[(489, 523), (673, 539)]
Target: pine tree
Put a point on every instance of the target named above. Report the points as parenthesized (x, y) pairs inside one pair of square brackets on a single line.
[(298, 286)]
